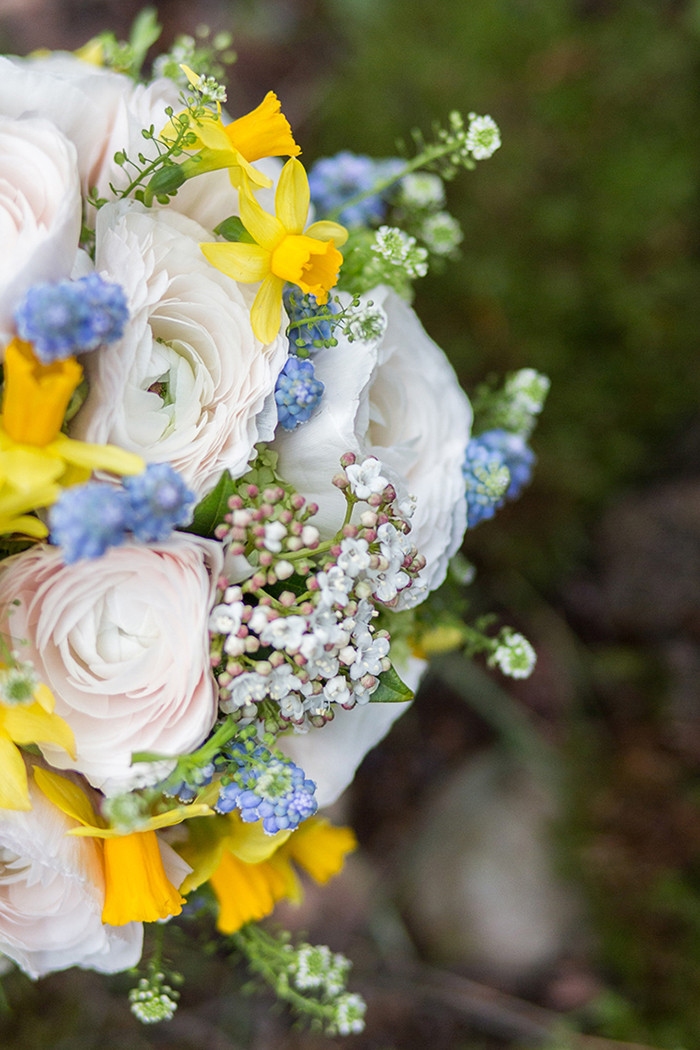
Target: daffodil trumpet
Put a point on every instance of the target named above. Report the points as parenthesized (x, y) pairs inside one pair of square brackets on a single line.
[(264, 132), (282, 250), (36, 459), (137, 888)]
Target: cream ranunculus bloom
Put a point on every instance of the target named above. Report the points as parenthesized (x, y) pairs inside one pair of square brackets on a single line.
[(398, 399), (102, 113), (52, 893), (188, 382), (122, 642), (40, 211)]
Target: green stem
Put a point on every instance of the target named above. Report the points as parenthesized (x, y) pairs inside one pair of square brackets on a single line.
[(432, 153)]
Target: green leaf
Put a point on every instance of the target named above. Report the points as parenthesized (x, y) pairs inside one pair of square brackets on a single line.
[(391, 689), (232, 229), (213, 508)]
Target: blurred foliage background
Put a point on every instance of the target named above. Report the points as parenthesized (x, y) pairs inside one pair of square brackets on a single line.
[(581, 258)]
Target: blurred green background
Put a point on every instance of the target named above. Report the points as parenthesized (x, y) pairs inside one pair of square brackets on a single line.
[(581, 258)]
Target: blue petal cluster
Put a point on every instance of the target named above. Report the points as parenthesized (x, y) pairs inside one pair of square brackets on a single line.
[(297, 392), (71, 317), (87, 519), (269, 788), (489, 452), (306, 338), (335, 180), (187, 789), (159, 500)]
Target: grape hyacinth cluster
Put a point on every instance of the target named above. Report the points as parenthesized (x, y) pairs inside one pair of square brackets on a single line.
[(88, 519), (71, 317), (297, 392), (310, 323), (267, 787), (497, 466), (297, 636), (334, 182)]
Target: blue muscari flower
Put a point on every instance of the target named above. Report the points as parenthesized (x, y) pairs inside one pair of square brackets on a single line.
[(187, 789), (490, 452), (87, 519), (159, 500), (297, 392), (71, 317), (267, 787), (304, 338), (335, 180)]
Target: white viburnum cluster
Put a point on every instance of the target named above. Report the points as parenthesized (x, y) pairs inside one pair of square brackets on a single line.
[(312, 645)]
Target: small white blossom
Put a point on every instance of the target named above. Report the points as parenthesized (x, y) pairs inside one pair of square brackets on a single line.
[(354, 556), (483, 137), (420, 189), (514, 656), (226, 619), (366, 478), (286, 632), (337, 690), (399, 249), (246, 689), (275, 532), (334, 586)]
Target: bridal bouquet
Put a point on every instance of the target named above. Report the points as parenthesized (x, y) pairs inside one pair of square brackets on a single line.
[(233, 469)]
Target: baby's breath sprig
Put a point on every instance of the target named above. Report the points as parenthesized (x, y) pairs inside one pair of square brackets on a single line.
[(209, 55), (164, 164), (311, 979), (127, 56), (154, 998), (456, 147)]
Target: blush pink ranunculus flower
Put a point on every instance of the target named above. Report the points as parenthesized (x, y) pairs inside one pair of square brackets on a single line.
[(123, 644), (40, 211)]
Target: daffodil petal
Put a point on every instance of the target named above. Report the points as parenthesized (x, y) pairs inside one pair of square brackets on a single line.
[(66, 795), (98, 457), (325, 230), (265, 229), (25, 524), (243, 262), (245, 892), (320, 848), (266, 311), (292, 197), (14, 792), (251, 843), (31, 724)]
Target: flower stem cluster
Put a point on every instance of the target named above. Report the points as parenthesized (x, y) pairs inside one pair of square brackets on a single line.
[(154, 999), (310, 978), (297, 636)]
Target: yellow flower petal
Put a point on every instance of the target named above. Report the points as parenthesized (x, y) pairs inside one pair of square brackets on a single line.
[(292, 197), (36, 396), (14, 792), (265, 229), (66, 795), (245, 892), (31, 724), (266, 311), (325, 230), (243, 262), (320, 848), (136, 886)]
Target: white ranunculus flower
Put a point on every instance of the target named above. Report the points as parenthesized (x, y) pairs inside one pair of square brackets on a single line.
[(52, 894), (331, 755), (397, 399), (188, 381), (40, 211), (123, 644), (102, 113)]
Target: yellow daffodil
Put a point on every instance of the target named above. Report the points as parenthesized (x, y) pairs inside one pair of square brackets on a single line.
[(136, 886), (36, 459), (26, 718), (264, 132), (250, 871), (282, 251)]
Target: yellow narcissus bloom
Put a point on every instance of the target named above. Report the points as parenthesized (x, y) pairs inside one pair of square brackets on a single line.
[(250, 870), (26, 717), (283, 251), (137, 888), (36, 459), (264, 132)]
